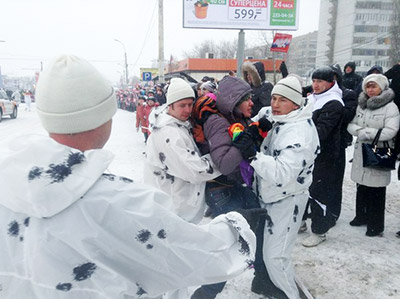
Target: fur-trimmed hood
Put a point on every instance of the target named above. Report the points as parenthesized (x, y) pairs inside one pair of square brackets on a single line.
[(256, 71), (373, 103)]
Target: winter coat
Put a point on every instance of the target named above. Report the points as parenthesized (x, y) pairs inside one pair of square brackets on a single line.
[(394, 75), (351, 80), (141, 118), (284, 166), (226, 157), (261, 95), (70, 231), (328, 110), (372, 114), (175, 165), (161, 99), (350, 106)]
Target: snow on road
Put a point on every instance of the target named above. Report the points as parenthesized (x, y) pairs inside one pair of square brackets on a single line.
[(348, 265)]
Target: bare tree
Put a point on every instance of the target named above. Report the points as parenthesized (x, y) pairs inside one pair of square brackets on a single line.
[(227, 49), (199, 51)]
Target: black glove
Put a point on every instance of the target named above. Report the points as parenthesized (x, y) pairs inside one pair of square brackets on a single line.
[(264, 124), (253, 216), (283, 69), (246, 145)]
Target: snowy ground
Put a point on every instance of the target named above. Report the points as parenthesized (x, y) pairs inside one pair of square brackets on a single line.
[(348, 265)]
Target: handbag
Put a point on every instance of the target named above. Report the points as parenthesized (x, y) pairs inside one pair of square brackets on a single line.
[(382, 158)]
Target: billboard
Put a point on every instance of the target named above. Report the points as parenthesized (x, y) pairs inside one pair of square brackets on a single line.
[(241, 14)]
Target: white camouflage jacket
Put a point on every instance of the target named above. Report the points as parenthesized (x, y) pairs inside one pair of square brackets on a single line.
[(286, 161), (174, 165), (68, 231)]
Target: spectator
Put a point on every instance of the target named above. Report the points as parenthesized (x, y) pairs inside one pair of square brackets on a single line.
[(328, 109), (393, 75), (209, 89), (349, 98), (160, 95), (254, 74), (69, 230), (375, 111), (16, 96), (141, 119), (350, 79), (376, 69)]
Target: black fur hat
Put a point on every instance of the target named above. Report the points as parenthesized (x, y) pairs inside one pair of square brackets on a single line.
[(323, 73)]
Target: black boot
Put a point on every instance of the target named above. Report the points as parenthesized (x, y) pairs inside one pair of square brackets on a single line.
[(357, 222), (263, 285)]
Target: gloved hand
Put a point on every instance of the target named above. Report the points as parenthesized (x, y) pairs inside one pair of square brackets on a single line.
[(264, 124), (246, 145), (252, 216), (137, 129), (363, 135)]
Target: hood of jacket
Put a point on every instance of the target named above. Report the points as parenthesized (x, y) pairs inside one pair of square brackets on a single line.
[(230, 91), (255, 70), (379, 101), (351, 64), (40, 177), (376, 68)]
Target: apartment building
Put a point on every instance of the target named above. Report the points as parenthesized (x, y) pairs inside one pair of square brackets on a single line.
[(355, 30)]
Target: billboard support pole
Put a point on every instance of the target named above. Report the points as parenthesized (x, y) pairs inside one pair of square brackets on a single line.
[(273, 58), (240, 53)]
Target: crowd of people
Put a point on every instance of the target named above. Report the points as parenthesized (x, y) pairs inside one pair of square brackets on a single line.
[(259, 159)]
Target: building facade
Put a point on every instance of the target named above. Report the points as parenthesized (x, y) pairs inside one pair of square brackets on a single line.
[(302, 54), (355, 30)]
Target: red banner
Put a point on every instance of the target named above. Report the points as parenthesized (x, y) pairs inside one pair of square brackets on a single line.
[(281, 42)]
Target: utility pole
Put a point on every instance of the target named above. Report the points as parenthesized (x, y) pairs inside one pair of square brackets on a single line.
[(273, 58), (240, 54), (160, 41), (126, 62)]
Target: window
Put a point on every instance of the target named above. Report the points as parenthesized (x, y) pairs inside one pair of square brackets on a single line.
[(366, 28)]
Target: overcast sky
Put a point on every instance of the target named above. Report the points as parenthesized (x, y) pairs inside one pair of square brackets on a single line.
[(35, 31)]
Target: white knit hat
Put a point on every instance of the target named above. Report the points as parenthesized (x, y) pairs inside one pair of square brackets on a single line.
[(289, 88), (73, 97), (379, 79), (178, 90)]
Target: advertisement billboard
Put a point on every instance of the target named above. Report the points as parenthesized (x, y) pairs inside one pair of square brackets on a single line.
[(241, 14)]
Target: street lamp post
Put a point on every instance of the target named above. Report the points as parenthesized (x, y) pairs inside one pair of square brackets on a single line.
[(126, 62)]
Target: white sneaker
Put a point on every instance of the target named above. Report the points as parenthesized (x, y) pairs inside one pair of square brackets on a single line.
[(303, 227), (313, 240)]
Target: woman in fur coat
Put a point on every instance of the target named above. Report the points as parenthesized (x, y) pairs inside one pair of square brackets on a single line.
[(376, 110)]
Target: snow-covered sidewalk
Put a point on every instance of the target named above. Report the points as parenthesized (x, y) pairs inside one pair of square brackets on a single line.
[(347, 265)]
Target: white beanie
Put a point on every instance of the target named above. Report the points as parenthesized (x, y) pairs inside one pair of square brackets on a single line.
[(289, 88), (178, 90), (379, 79), (73, 97)]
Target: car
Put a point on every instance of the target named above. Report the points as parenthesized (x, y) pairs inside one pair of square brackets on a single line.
[(7, 106)]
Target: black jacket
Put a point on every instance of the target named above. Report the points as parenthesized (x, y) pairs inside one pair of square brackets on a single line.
[(351, 80), (394, 75)]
